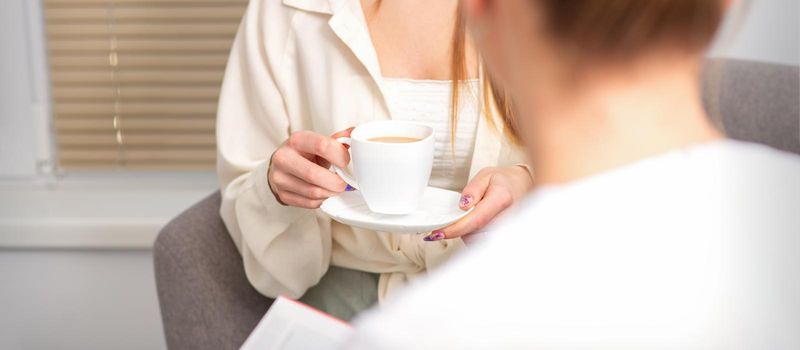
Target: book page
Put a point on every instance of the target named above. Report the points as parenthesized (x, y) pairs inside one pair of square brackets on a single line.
[(291, 325)]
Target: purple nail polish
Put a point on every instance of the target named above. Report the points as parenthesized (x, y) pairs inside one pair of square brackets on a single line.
[(466, 200), (349, 188), (437, 235)]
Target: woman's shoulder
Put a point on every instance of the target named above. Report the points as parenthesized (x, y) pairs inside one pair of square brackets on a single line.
[(758, 153), (734, 163)]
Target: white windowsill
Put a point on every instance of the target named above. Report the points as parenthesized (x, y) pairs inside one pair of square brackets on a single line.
[(96, 210)]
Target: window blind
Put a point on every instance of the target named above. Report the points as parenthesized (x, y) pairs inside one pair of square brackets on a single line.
[(135, 82)]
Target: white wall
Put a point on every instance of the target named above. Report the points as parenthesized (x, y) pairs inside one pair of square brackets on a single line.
[(78, 300), (25, 148), (76, 269), (17, 153), (769, 31)]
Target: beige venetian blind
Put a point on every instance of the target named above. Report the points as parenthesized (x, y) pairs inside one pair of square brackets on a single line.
[(135, 82)]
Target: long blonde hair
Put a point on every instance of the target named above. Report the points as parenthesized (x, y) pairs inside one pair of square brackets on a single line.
[(495, 102)]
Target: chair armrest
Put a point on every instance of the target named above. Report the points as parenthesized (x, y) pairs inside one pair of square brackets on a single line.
[(206, 301)]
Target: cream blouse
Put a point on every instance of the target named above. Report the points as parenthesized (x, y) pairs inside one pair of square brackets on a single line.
[(310, 65)]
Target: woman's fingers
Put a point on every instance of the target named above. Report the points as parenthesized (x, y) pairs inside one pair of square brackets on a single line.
[(491, 192), (493, 203), (344, 133), (321, 146), (289, 161), (299, 174), (475, 189), (290, 183)]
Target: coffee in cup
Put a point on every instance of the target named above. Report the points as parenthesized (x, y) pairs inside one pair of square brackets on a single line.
[(392, 162), (394, 139)]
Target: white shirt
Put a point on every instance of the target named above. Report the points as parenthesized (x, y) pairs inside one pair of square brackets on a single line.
[(427, 102), (695, 249)]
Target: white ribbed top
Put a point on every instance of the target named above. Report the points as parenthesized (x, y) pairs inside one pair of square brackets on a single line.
[(428, 102)]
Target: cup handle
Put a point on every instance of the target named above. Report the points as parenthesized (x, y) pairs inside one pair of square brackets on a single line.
[(349, 179)]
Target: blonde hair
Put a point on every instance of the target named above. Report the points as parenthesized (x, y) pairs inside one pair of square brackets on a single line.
[(495, 102)]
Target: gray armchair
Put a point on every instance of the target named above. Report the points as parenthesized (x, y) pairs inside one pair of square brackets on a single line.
[(207, 302)]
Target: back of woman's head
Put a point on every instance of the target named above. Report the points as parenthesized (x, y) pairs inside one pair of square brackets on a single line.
[(625, 29), (592, 33)]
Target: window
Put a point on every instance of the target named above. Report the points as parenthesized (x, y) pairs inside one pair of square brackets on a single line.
[(135, 82)]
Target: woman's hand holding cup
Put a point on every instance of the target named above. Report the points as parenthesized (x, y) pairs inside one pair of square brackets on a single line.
[(298, 174)]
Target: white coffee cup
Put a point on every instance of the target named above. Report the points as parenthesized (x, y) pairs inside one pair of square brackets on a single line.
[(391, 176)]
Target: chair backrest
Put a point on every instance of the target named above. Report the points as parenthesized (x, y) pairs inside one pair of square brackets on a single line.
[(205, 298), (756, 101)]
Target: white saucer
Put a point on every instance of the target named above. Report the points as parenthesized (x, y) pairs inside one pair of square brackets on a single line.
[(437, 209)]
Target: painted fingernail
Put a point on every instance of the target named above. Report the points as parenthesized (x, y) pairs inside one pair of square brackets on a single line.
[(466, 200), (437, 235), (349, 188)]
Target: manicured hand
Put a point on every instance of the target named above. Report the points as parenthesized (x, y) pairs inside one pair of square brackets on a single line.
[(298, 174), (491, 192)]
